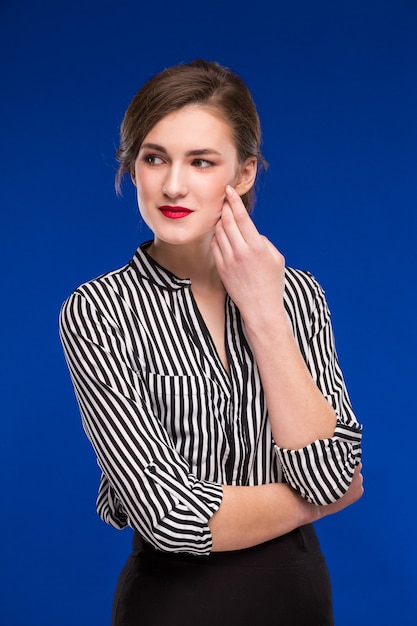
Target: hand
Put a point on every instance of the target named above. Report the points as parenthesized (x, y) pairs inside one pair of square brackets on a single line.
[(250, 267)]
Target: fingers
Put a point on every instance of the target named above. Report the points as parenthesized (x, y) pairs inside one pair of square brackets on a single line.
[(235, 219), (221, 243), (217, 253), (236, 236), (228, 239)]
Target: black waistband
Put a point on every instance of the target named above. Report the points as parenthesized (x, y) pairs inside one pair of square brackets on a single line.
[(282, 548)]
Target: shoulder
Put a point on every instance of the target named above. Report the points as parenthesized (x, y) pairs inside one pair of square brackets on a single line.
[(302, 287), (305, 302), (103, 292), (113, 279)]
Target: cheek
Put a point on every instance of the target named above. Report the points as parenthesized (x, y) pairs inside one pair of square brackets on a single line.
[(216, 189), (142, 199), (144, 189), (218, 205)]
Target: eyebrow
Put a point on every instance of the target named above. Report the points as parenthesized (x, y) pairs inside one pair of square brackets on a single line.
[(197, 152)]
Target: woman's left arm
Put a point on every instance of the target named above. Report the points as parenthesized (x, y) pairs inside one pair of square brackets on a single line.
[(318, 446)]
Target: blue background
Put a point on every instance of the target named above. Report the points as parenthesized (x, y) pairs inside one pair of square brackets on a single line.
[(336, 87)]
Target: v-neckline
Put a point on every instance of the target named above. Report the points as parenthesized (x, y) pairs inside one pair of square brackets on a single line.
[(223, 373)]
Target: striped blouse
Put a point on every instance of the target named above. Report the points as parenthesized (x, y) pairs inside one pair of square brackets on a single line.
[(169, 425)]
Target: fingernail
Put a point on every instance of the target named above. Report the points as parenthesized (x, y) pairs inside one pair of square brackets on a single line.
[(229, 190)]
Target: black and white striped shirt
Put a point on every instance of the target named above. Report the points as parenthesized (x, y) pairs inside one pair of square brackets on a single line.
[(169, 425)]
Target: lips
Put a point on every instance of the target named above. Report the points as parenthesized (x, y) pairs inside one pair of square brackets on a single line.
[(174, 212)]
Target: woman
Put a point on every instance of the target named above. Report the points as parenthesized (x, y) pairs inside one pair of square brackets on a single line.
[(207, 379)]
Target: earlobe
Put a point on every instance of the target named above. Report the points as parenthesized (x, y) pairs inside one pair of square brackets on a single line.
[(132, 176), (247, 175)]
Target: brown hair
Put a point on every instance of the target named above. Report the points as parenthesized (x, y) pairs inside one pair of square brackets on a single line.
[(198, 82)]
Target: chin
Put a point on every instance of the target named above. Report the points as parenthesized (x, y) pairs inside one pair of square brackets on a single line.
[(184, 238)]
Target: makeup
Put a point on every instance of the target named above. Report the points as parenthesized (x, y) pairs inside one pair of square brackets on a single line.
[(174, 212)]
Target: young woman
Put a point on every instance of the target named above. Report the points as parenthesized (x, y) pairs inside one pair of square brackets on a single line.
[(207, 379)]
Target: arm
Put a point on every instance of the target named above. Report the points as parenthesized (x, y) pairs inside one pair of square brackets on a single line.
[(145, 482), (333, 459), (318, 448), (150, 485), (252, 515)]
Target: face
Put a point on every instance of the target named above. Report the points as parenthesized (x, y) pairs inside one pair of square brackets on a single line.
[(181, 171)]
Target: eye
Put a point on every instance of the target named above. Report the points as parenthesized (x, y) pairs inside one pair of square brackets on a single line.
[(202, 163), (152, 159)]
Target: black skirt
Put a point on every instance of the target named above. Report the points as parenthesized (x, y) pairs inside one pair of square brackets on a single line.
[(284, 582)]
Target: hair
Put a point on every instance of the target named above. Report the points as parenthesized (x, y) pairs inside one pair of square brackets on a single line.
[(203, 83)]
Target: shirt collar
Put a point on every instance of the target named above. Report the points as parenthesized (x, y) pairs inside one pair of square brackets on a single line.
[(149, 269)]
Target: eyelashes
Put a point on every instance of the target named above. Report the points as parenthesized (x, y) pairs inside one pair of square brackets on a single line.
[(152, 159), (155, 160)]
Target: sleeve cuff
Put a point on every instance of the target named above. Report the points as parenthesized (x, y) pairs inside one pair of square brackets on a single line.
[(322, 471), (184, 528)]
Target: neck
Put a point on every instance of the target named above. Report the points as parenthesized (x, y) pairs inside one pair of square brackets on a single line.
[(194, 261)]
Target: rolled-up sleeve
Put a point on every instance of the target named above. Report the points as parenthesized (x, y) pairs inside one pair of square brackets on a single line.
[(145, 482), (322, 471)]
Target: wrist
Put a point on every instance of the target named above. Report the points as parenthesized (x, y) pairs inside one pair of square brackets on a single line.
[(264, 320), (313, 512)]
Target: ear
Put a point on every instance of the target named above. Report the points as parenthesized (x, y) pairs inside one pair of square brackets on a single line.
[(246, 176), (133, 177)]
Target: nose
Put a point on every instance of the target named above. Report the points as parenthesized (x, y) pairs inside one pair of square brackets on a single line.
[(175, 185)]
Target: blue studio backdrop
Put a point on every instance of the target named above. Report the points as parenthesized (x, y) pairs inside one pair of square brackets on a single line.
[(336, 87)]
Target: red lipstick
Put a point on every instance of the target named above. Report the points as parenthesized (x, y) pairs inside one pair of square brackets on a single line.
[(174, 212)]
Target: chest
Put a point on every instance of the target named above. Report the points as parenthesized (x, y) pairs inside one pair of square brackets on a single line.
[(199, 379), (212, 313)]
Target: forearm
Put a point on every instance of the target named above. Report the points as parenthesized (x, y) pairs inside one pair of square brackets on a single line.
[(299, 413), (248, 516), (253, 273)]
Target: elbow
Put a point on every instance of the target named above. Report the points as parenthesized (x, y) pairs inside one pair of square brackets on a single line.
[(322, 472), (349, 484), (171, 534)]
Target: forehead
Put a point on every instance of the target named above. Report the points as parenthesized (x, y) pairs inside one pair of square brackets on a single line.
[(194, 124)]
